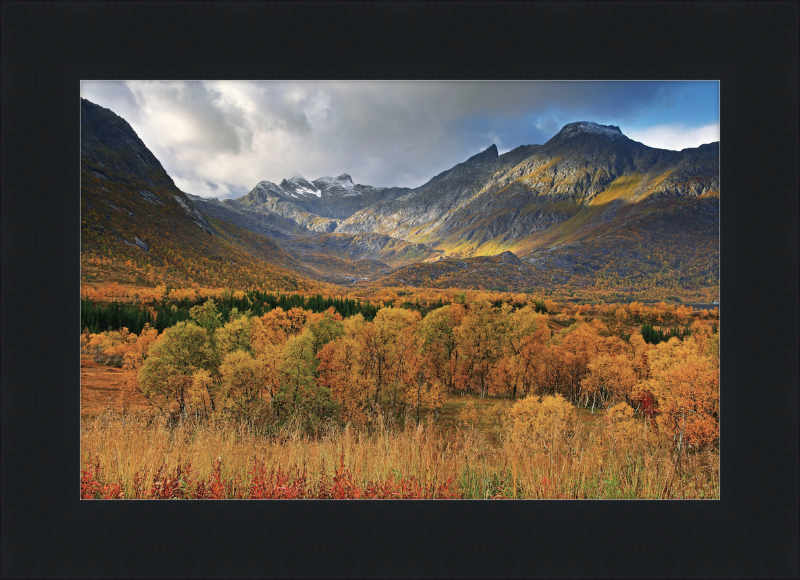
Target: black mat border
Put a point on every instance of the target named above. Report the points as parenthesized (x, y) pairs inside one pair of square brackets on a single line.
[(48, 48)]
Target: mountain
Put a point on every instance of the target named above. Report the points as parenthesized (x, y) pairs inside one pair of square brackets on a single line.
[(318, 205), (292, 201), (590, 206), (491, 198), (342, 185), (297, 211), (410, 216), (137, 226)]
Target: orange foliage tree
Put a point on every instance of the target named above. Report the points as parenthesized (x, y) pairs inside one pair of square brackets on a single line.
[(439, 349), (479, 342), (685, 383)]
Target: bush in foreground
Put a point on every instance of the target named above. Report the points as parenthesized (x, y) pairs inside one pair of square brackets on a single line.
[(262, 483)]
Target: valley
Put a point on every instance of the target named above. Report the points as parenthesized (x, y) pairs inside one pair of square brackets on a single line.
[(587, 209), (529, 324)]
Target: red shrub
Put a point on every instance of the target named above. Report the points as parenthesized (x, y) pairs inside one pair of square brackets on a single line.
[(91, 488), (263, 484), (649, 406)]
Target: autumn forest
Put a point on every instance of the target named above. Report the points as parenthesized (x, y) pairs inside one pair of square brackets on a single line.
[(429, 394)]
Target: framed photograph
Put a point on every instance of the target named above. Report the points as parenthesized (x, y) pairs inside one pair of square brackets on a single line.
[(484, 290), (466, 252)]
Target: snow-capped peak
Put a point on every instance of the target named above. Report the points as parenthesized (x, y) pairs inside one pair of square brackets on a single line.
[(266, 184), (590, 127), (298, 184), (345, 178), (344, 181)]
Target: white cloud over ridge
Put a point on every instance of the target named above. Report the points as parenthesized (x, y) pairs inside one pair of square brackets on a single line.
[(675, 137), (220, 138)]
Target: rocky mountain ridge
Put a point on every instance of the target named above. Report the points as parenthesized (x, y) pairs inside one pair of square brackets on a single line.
[(319, 205), (530, 189), (588, 203), (590, 206)]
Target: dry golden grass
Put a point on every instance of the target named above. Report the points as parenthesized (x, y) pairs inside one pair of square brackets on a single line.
[(588, 463), (101, 387), (142, 442)]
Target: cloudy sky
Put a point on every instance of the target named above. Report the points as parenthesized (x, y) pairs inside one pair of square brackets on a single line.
[(219, 139)]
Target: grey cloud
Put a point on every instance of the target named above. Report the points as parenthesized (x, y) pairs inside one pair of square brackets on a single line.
[(277, 113), (381, 133), (216, 125)]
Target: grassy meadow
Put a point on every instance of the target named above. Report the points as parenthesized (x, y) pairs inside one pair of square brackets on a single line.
[(475, 397), (478, 458)]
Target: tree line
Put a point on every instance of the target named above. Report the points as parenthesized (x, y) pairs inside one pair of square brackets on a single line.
[(100, 317), (655, 335), (169, 312), (320, 365)]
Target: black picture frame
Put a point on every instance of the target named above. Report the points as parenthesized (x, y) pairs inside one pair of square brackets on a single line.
[(752, 531)]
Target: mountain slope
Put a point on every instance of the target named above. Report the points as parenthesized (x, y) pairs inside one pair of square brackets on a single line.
[(140, 227), (265, 223), (501, 271), (392, 252), (584, 205), (502, 198)]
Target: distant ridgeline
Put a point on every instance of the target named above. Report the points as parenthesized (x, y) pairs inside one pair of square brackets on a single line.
[(590, 209), (99, 317)]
